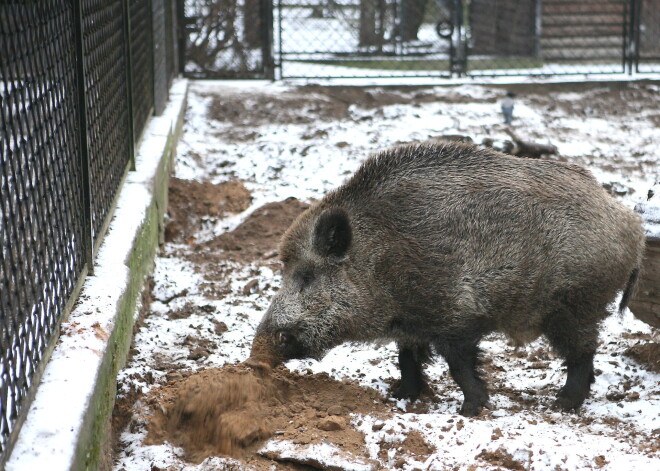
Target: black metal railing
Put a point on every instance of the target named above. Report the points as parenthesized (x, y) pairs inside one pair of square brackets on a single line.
[(423, 38), (78, 81)]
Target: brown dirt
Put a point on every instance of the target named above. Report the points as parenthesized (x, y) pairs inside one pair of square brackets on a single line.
[(314, 103), (500, 457), (307, 104), (189, 201), (259, 235), (263, 351), (646, 354), (255, 240), (231, 411)]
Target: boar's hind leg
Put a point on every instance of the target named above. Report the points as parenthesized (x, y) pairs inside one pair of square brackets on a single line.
[(462, 358), (411, 360), (576, 343)]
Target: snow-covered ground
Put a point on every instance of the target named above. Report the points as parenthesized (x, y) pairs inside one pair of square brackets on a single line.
[(619, 425)]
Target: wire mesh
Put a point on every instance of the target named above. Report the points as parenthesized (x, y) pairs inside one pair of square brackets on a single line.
[(549, 37), (107, 103), (41, 230), (226, 38), (362, 38), (66, 127), (141, 38), (648, 37)]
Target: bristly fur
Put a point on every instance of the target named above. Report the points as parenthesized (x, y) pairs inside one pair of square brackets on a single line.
[(435, 245)]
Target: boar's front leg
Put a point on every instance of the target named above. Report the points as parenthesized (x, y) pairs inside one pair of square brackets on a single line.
[(411, 361), (462, 358)]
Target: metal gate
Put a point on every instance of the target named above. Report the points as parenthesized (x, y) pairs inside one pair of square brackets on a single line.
[(367, 38), (645, 34), (226, 38), (419, 38), (548, 37)]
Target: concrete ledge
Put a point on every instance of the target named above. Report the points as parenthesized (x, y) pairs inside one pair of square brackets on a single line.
[(67, 421)]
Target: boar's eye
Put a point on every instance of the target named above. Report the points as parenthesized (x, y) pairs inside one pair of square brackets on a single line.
[(303, 278)]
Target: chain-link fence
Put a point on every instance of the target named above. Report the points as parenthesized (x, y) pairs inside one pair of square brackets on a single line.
[(226, 38), (646, 33), (78, 80), (424, 38)]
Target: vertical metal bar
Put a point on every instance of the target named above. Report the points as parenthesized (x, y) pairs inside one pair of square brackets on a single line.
[(626, 34), (280, 30), (182, 34), (175, 38), (458, 45), (153, 59), (88, 242), (538, 12), (637, 24), (129, 76), (266, 18), (631, 33)]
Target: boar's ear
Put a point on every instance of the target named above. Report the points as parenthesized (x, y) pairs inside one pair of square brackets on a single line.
[(332, 234)]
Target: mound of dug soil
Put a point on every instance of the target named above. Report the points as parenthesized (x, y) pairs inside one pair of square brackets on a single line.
[(231, 411), (258, 236), (190, 200), (647, 355)]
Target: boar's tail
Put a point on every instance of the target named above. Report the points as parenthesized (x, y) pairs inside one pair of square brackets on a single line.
[(630, 289)]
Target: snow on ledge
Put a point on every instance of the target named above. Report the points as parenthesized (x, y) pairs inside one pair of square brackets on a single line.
[(49, 436)]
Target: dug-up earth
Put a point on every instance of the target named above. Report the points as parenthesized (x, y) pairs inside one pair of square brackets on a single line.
[(250, 161)]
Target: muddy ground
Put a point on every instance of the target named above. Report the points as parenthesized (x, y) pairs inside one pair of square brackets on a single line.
[(186, 402)]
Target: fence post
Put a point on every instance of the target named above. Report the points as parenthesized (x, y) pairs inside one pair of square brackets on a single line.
[(129, 75), (88, 242), (635, 30), (631, 36), (266, 19), (538, 24), (152, 57), (280, 59), (181, 34), (458, 44)]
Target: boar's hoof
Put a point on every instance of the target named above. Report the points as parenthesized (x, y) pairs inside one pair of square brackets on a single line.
[(471, 408), (409, 390), (567, 403)]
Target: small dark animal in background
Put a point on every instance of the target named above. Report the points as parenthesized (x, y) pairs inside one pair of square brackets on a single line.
[(436, 245)]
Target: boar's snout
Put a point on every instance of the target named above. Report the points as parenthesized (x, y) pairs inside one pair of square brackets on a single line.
[(278, 347), (264, 350), (289, 345)]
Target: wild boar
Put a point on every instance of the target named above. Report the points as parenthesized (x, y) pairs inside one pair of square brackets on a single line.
[(435, 245)]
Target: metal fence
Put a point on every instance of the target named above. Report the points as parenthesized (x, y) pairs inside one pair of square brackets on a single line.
[(78, 81), (226, 38), (423, 38)]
